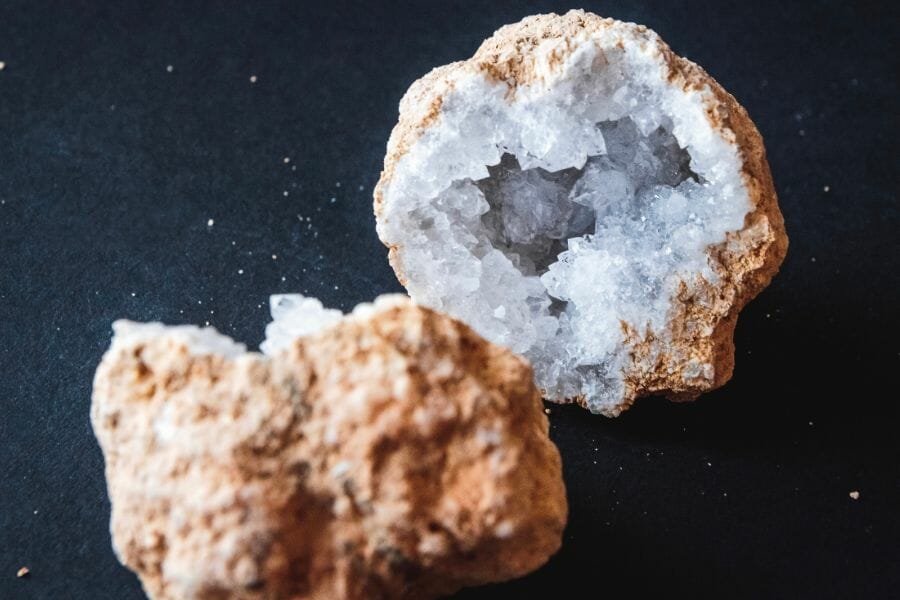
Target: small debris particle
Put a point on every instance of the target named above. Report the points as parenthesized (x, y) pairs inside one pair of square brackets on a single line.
[(547, 411), (210, 223), (253, 79), (336, 287), (240, 271), (232, 242), (274, 257), (813, 259), (361, 188), (285, 192), (283, 278), (169, 68), (293, 167), (337, 184), (802, 133), (827, 188), (708, 464), (2, 65), (287, 159), (23, 572), (810, 423), (333, 199), (854, 495), (133, 294), (207, 323)]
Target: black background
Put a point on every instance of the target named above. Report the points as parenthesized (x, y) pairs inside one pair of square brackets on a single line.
[(110, 167)]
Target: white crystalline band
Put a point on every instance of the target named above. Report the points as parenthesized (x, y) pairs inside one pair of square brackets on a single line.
[(293, 316), (197, 340), (549, 218)]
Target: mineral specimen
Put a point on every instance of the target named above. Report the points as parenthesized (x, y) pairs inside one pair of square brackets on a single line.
[(577, 192), (392, 453)]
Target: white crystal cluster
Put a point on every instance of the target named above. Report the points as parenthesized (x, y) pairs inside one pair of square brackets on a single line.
[(294, 316), (548, 219)]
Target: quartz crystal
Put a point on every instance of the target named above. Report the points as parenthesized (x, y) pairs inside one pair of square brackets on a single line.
[(565, 193)]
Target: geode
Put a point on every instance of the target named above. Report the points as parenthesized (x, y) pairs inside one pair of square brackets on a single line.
[(577, 192), (393, 453)]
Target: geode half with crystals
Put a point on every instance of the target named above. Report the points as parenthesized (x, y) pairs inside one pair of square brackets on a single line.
[(577, 192)]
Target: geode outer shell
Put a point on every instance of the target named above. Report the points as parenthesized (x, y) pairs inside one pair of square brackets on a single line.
[(393, 455), (747, 260)]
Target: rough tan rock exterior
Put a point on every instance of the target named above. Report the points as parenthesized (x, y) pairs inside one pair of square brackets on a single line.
[(393, 456), (747, 261)]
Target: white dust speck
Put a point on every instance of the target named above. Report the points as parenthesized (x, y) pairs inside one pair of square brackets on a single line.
[(854, 494), (285, 192), (240, 271), (2, 65), (827, 188), (253, 79), (333, 200), (210, 223), (287, 159), (361, 188), (133, 294), (169, 68)]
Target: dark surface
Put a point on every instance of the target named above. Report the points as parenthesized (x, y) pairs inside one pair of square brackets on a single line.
[(110, 167)]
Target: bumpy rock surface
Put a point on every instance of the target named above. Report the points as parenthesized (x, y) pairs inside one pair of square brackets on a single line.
[(579, 193), (394, 454)]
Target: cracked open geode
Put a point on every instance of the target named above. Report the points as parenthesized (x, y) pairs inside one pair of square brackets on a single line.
[(582, 195)]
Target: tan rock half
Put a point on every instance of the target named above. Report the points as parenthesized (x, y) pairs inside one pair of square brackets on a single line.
[(579, 193), (393, 454)]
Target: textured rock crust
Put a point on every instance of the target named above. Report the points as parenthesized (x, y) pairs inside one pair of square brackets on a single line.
[(394, 455), (746, 262)]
